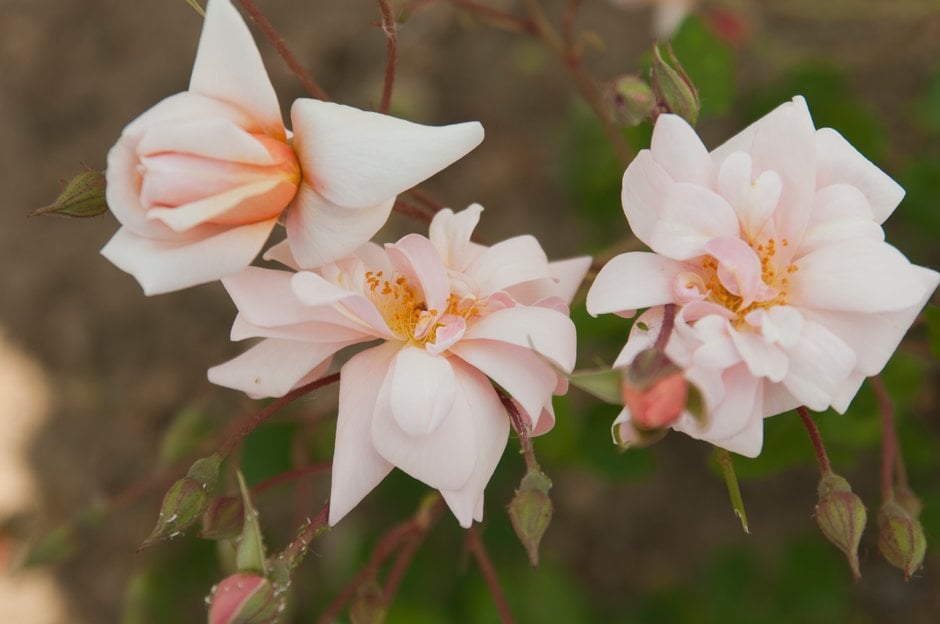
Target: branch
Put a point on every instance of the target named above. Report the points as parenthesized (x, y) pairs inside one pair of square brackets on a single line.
[(478, 549), (281, 46), (390, 27), (290, 475)]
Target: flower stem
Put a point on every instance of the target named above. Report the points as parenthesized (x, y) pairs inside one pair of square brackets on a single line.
[(280, 45), (298, 547), (824, 466), (272, 408), (890, 449), (290, 475), (478, 549), (522, 430), (669, 320), (500, 18), (390, 26)]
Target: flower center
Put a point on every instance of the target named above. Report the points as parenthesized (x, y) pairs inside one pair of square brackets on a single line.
[(770, 290), (407, 314)]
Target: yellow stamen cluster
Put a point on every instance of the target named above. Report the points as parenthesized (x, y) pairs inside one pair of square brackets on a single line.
[(766, 251), (406, 314)]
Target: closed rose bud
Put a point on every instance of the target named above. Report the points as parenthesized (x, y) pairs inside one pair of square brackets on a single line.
[(672, 87), (841, 517), (223, 518), (244, 599), (630, 99), (186, 500), (901, 538), (658, 405), (83, 197), (531, 512)]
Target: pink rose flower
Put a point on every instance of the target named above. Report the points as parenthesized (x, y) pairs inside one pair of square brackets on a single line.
[(772, 249), (450, 314), (199, 180)]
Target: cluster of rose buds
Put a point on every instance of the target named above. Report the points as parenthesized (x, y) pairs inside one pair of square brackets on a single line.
[(769, 286)]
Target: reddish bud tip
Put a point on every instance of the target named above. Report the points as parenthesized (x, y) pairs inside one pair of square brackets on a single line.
[(659, 404), (630, 99), (901, 538), (531, 512), (841, 517), (244, 599)]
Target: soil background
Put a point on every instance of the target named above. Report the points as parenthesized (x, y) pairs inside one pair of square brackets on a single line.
[(73, 73)]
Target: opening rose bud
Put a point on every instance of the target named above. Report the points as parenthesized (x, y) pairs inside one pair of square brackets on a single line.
[(658, 405), (243, 599)]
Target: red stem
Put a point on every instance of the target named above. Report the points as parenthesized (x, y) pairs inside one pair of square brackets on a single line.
[(824, 466), (281, 46), (522, 430), (571, 43), (290, 475), (298, 547), (271, 409), (475, 545), (890, 450), (503, 18), (410, 210), (402, 562), (390, 27), (669, 319)]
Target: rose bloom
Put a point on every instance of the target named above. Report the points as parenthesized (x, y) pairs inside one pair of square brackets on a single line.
[(772, 250), (199, 180), (448, 314)]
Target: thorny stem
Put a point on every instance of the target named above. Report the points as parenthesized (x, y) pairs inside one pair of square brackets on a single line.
[(402, 534), (290, 475), (522, 430), (824, 466), (298, 547), (586, 86), (390, 26), (280, 45), (890, 450), (272, 408), (478, 549)]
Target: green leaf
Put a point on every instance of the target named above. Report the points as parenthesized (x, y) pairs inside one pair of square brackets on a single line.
[(250, 557), (601, 383)]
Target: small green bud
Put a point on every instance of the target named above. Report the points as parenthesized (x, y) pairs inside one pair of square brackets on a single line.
[(841, 517), (249, 556), (186, 500), (244, 599), (901, 538), (630, 99), (223, 518), (531, 512), (369, 606), (672, 87), (83, 196)]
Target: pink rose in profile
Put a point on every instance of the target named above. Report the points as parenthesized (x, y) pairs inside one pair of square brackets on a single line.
[(771, 249), (451, 316), (199, 181)]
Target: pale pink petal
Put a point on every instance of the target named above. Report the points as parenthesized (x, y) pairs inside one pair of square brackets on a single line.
[(840, 212), (523, 374), (513, 261), (569, 274), (312, 290), (545, 421), (692, 215), (846, 391), (272, 367), (281, 253), (415, 257), (784, 143), (166, 265), (311, 331), (450, 232), (739, 268), (444, 459), (740, 405), (491, 431), (643, 335), (676, 147), (422, 391), (778, 325), (228, 67), (754, 200), (839, 162), (763, 359), (875, 336), (645, 186), (777, 400), (449, 330), (320, 231), (212, 137), (357, 467), (819, 363), (358, 159), (188, 216), (857, 275), (548, 333), (747, 442), (265, 297), (633, 280)]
